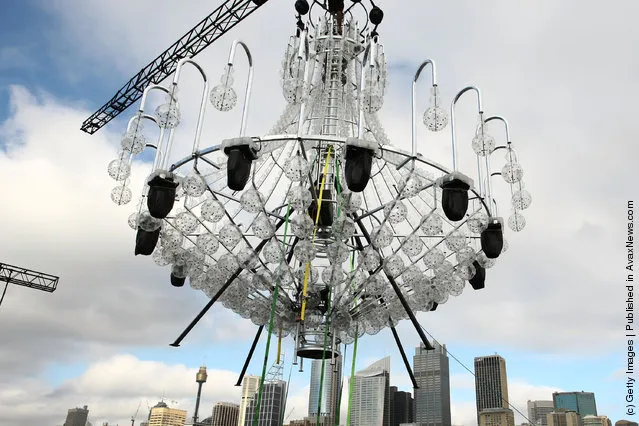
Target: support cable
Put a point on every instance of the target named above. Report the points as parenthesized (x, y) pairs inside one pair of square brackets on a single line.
[(473, 373), (270, 329)]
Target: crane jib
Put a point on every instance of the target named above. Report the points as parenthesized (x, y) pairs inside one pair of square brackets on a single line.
[(220, 21)]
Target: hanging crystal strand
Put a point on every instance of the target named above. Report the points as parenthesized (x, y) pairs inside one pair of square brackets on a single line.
[(168, 115), (435, 117), (223, 96), (133, 142)]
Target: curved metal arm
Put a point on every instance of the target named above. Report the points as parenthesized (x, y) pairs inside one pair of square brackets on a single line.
[(414, 95), (302, 53), (205, 92), (507, 146), (487, 182), (369, 53), (452, 117), (159, 158), (249, 82), (503, 120), (137, 117), (146, 93)]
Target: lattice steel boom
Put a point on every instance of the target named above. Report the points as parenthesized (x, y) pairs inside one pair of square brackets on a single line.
[(221, 20), (28, 278)]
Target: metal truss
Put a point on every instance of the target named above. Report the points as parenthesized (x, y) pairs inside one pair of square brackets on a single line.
[(225, 17), (25, 277)]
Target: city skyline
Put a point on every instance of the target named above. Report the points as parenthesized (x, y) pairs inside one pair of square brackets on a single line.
[(102, 338), (490, 382)]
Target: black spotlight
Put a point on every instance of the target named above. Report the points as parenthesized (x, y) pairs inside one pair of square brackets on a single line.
[(161, 195), (176, 281), (359, 160), (241, 152), (455, 188), (145, 241), (178, 271), (376, 15), (477, 282), (301, 7), (492, 238), (435, 305)]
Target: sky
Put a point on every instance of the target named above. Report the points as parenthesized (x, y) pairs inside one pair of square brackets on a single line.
[(562, 73)]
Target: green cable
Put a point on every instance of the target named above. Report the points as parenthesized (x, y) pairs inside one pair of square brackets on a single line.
[(270, 331), (328, 307), (339, 399), (319, 402), (350, 390), (352, 380)]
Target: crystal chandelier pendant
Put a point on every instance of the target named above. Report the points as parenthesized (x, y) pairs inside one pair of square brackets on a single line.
[(322, 223)]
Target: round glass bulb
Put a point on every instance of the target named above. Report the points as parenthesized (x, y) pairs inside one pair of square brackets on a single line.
[(435, 118), (121, 195), (223, 97)]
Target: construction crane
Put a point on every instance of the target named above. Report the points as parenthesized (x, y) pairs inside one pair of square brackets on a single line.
[(135, 416), (10, 274), (209, 29)]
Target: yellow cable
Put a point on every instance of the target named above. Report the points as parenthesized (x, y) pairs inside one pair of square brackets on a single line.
[(319, 206)]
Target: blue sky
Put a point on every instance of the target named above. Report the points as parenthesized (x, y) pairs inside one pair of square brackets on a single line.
[(553, 307)]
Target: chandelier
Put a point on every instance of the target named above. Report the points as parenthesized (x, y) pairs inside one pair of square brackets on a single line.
[(321, 228)]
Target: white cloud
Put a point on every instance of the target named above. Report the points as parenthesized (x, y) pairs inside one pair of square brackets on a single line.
[(112, 388), (566, 89), (63, 222)]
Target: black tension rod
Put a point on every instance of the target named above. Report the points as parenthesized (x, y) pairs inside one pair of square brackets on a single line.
[(250, 355), (401, 351), (204, 310), (208, 306), (398, 292)]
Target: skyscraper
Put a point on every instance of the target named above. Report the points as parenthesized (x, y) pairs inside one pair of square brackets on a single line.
[(581, 402), (497, 417), (591, 420), (537, 411), (432, 399), (225, 414), (331, 388), (77, 416), (162, 415), (250, 385), (370, 403), (271, 412), (563, 417), (491, 384), (401, 410)]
